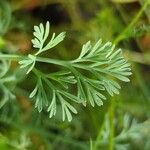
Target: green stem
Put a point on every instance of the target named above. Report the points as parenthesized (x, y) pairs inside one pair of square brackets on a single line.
[(44, 134), (52, 61), (116, 41), (10, 57), (38, 59), (111, 110), (138, 15), (2, 42), (111, 120), (98, 137)]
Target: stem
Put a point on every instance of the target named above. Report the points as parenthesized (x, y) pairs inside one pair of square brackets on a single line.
[(98, 137), (52, 61), (8, 79), (138, 15), (111, 120), (11, 57), (39, 73), (2, 42), (38, 59), (112, 104), (44, 134)]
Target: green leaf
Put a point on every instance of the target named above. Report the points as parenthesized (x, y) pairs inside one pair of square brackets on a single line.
[(86, 47), (5, 16), (54, 41), (32, 94), (52, 107), (80, 92), (90, 97), (4, 67), (30, 63), (41, 34), (71, 96), (95, 71), (66, 108)]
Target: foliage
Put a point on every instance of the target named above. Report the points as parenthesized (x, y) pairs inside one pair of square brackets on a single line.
[(128, 131), (4, 79), (61, 78), (5, 16), (100, 61)]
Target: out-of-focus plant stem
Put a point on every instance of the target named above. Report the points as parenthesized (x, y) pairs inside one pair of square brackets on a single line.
[(116, 41), (141, 58), (138, 15), (73, 12), (111, 120), (95, 145), (132, 58), (2, 42)]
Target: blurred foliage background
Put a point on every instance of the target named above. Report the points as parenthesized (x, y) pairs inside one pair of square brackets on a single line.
[(123, 123)]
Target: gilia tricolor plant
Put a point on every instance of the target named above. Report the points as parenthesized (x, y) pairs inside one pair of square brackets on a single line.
[(92, 73)]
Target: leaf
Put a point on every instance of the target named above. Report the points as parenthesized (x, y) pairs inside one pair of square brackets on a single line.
[(7, 95), (47, 29), (4, 67), (68, 79), (96, 84), (30, 63), (90, 97), (95, 71), (54, 41), (70, 96), (41, 34), (66, 108), (52, 107), (112, 87), (71, 108), (96, 46), (106, 46), (60, 73), (80, 92), (86, 47), (5, 17), (32, 94), (97, 99), (40, 95), (120, 77)]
